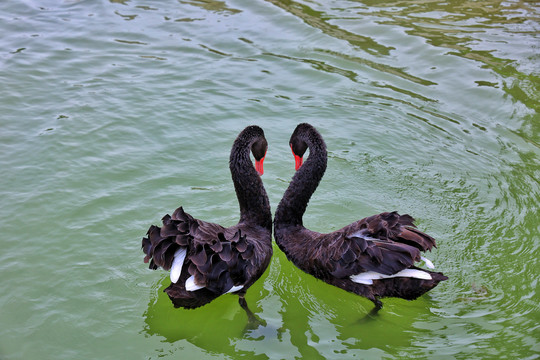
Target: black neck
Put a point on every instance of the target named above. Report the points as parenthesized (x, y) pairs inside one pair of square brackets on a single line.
[(304, 183), (252, 197)]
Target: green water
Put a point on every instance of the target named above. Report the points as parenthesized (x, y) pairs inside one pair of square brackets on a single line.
[(115, 113)]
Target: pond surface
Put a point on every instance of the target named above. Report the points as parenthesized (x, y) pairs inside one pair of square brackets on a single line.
[(114, 113)]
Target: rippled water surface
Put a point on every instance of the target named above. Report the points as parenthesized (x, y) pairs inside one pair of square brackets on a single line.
[(116, 112)]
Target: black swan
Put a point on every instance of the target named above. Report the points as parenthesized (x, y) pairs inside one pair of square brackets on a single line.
[(207, 260), (372, 257)]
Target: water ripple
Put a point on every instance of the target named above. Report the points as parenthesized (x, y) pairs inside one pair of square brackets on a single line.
[(115, 113)]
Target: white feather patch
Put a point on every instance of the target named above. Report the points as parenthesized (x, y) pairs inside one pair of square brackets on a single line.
[(364, 278), (178, 262), (362, 234), (428, 262), (413, 273), (367, 277), (191, 285), (235, 288)]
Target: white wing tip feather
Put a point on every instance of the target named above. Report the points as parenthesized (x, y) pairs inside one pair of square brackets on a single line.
[(178, 263), (191, 285), (367, 277), (413, 273), (235, 288), (362, 281), (428, 262)]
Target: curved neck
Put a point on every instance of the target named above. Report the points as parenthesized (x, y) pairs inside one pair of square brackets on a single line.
[(252, 197), (304, 183)]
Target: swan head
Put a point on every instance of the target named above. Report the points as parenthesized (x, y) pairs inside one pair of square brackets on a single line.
[(258, 149), (298, 145)]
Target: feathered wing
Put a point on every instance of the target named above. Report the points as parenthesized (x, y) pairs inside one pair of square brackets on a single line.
[(177, 231), (357, 254), (217, 260), (394, 227), (384, 244)]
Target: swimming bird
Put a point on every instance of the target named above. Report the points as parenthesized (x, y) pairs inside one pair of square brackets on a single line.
[(373, 257), (207, 260)]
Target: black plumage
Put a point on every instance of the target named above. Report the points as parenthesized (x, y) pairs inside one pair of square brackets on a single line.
[(385, 243), (219, 258)]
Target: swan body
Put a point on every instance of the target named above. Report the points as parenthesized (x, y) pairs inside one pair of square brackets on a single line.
[(374, 257), (207, 260)]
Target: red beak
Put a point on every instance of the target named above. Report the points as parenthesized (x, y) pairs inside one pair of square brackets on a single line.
[(259, 165), (297, 160)]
